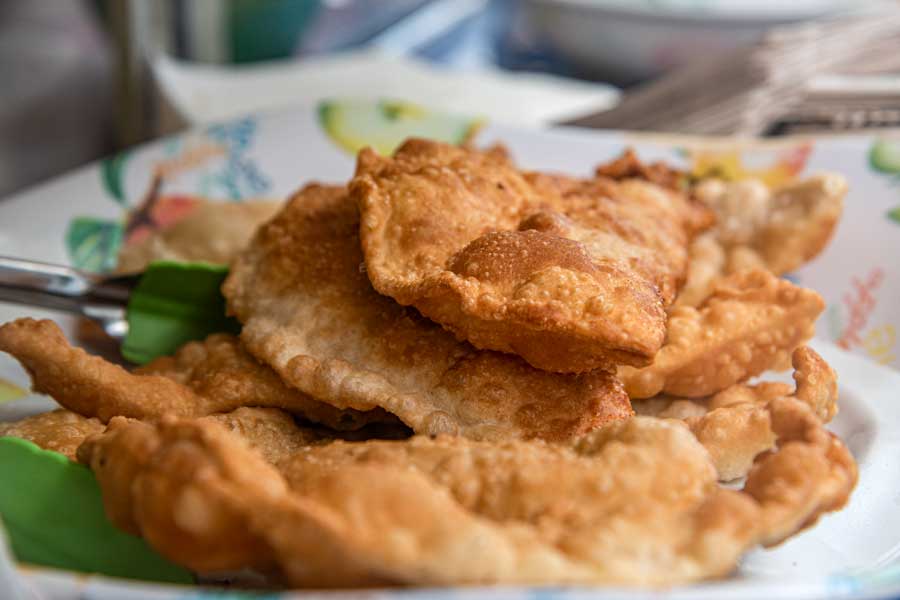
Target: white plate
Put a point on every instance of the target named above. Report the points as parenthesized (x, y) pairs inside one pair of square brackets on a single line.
[(853, 552)]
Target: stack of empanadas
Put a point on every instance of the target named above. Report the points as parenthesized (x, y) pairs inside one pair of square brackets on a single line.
[(438, 373)]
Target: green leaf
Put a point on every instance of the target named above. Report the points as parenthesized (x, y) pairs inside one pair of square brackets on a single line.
[(172, 304), (894, 214), (112, 171), (53, 513), (884, 156), (93, 244)]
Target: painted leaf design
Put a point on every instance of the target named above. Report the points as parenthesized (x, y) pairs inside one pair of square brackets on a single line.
[(93, 244), (894, 214), (383, 125), (10, 391), (884, 156), (112, 171)]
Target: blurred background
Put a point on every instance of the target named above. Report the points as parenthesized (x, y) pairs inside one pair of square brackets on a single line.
[(83, 79)]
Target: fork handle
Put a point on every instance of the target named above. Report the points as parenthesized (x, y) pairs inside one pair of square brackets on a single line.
[(42, 284), (62, 288), (34, 276), (60, 280)]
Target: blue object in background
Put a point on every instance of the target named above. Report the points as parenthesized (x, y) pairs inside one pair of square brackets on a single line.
[(469, 34), (267, 29)]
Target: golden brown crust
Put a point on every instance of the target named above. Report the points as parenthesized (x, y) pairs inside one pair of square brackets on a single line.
[(751, 323), (89, 385), (227, 376), (816, 383), (477, 246), (735, 425), (756, 227), (272, 432), (734, 437), (126, 447), (216, 375), (59, 430), (629, 166), (811, 473), (635, 503), (116, 457), (309, 310), (156, 490), (440, 511), (632, 220)]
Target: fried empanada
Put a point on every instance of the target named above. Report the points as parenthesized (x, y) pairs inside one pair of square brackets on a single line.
[(194, 531), (571, 275), (308, 309), (635, 503), (629, 220), (220, 370), (735, 425), (751, 323), (213, 376), (777, 230), (58, 430)]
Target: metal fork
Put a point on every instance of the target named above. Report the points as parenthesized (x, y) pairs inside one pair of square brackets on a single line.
[(769, 87), (100, 298)]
